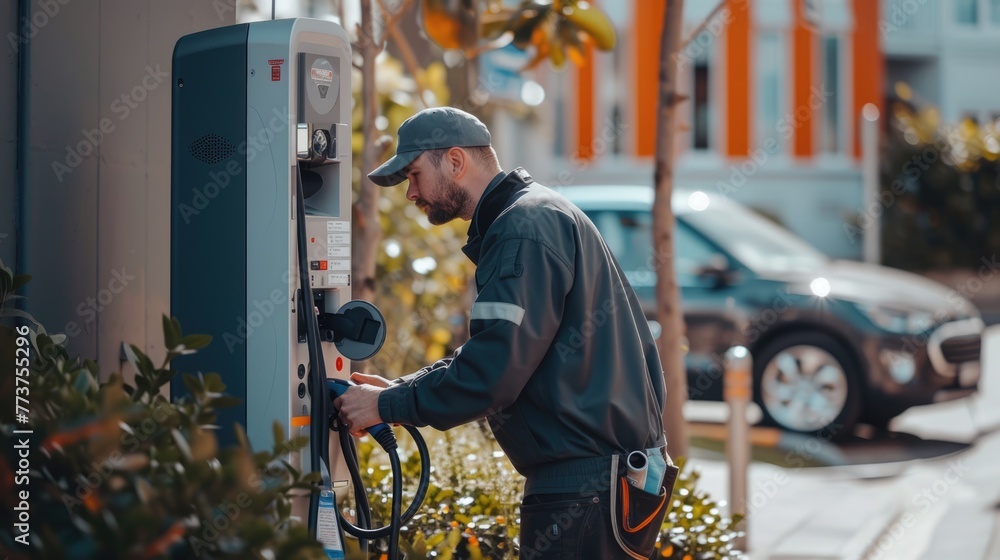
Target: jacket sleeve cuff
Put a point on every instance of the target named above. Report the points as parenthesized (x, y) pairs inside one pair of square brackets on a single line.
[(394, 405)]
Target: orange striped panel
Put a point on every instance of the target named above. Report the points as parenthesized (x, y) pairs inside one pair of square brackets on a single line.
[(803, 41), (648, 20), (868, 64), (738, 80), (585, 105)]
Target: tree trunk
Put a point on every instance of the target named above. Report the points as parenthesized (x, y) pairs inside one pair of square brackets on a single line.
[(367, 229), (668, 308)]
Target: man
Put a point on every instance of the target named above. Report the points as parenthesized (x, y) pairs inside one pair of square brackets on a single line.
[(560, 359)]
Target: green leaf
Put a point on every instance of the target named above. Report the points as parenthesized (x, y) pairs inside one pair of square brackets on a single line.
[(182, 444), (19, 281), (312, 478), (83, 382), (436, 539), (196, 341), (292, 470), (213, 383), (279, 434), (171, 336), (191, 382), (226, 401), (284, 509), (241, 436), (139, 361)]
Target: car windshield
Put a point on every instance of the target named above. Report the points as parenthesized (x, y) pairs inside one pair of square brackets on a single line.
[(752, 239)]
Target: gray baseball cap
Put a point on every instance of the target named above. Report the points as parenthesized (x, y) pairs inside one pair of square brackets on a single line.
[(430, 129)]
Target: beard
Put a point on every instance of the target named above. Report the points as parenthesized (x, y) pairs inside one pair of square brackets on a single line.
[(449, 202)]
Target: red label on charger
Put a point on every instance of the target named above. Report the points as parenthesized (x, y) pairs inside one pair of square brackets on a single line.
[(276, 68)]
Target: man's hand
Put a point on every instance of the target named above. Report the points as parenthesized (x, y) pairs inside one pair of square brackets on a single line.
[(368, 379), (359, 405)]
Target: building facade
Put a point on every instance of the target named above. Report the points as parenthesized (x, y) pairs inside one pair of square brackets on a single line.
[(775, 91), (946, 51)]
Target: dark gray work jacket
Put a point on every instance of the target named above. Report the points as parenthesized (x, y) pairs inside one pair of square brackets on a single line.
[(560, 359)]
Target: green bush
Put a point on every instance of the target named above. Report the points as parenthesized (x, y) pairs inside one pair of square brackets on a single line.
[(118, 471), (939, 199), (471, 509)]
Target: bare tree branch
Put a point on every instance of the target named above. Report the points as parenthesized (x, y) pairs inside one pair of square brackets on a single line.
[(701, 27), (410, 59)]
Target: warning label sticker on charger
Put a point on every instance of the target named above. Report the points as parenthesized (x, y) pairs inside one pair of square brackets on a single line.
[(327, 530), (275, 64)]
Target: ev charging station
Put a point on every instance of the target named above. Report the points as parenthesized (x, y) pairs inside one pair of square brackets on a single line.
[(246, 102), (261, 239)]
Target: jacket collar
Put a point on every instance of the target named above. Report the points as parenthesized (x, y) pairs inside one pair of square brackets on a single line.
[(496, 198)]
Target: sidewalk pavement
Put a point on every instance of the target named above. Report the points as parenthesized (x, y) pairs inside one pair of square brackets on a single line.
[(947, 507), (808, 513)]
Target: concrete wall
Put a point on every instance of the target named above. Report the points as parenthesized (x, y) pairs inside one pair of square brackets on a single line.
[(97, 206), (8, 135)]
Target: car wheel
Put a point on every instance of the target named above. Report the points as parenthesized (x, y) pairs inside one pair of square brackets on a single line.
[(807, 382)]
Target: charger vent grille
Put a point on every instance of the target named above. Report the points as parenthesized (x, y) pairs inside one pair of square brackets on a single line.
[(211, 148)]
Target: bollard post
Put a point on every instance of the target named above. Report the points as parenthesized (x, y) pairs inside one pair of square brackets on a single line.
[(738, 386)]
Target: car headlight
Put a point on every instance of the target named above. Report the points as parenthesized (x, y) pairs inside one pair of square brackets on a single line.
[(898, 321)]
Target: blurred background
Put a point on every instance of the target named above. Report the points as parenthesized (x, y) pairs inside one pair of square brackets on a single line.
[(779, 95)]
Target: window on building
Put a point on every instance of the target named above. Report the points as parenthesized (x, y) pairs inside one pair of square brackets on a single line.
[(830, 121), (771, 64), (967, 12), (701, 118), (701, 106)]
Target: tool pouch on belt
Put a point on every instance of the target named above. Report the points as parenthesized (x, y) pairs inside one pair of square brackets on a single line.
[(636, 515)]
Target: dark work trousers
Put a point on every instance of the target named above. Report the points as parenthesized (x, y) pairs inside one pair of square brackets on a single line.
[(568, 526)]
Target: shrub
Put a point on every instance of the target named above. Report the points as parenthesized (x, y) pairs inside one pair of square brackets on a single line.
[(119, 471), (471, 509)]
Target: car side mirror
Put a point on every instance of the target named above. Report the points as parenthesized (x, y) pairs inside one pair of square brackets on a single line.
[(717, 272)]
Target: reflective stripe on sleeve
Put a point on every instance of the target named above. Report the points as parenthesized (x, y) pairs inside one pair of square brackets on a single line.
[(488, 310)]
